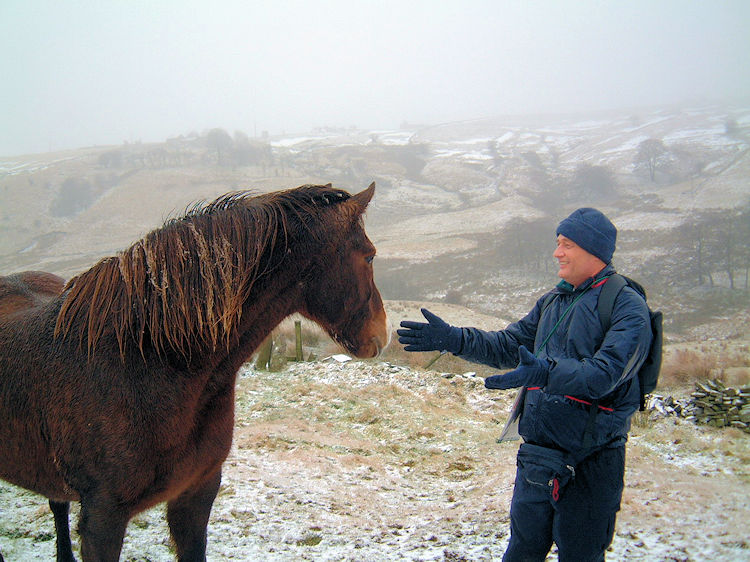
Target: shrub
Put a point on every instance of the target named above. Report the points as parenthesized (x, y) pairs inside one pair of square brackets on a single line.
[(75, 195), (685, 367)]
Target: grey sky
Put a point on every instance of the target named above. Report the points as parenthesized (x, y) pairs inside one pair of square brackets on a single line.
[(79, 73)]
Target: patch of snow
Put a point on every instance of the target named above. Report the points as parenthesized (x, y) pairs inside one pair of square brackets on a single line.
[(505, 137), (649, 221), (651, 123), (339, 358), (627, 146), (394, 138)]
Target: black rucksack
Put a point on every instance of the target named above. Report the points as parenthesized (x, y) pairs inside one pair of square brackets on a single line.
[(648, 375)]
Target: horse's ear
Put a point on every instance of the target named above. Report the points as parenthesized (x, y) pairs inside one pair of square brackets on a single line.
[(363, 197)]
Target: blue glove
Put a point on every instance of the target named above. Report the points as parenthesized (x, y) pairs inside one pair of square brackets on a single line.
[(531, 371), (436, 335)]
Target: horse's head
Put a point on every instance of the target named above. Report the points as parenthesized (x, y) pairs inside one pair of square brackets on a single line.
[(189, 285), (340, 293)]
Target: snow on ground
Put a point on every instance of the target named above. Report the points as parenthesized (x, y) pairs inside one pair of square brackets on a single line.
[(489, 218), (12, 168), (431, 197), (304, 482), (713, 137), (394, 138), (399, 137), (649, 221), (628, 145)]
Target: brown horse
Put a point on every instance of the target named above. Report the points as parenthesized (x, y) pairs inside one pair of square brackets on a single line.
[(28, 289), (119, 393), (20, 292)]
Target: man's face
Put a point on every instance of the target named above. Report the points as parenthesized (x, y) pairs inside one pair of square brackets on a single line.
[(576, 264)]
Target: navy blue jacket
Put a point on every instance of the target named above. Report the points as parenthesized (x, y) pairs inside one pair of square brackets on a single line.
[(585, 364)]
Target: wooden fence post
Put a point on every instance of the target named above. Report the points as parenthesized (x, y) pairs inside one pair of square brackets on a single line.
[(298, 337), (263, 361)]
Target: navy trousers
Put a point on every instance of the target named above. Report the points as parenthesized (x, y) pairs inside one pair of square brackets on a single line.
[(581, 520)]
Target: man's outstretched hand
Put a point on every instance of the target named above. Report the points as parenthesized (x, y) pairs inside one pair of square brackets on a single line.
[(435, 335)]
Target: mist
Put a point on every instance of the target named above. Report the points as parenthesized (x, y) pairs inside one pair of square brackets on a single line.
[(93, 73)]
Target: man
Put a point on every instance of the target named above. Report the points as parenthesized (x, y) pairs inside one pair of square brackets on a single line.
[(581, 390)]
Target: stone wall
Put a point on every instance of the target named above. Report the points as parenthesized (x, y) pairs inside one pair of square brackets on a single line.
[(711, 403)]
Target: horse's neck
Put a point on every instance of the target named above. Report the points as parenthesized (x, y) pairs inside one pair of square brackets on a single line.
[(263, 311), (213, 377)]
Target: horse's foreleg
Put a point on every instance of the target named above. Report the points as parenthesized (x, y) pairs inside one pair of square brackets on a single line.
[(188, 518), (102, 528), (60, 512)]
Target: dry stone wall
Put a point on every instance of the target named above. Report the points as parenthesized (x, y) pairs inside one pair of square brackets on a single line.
[(711, 403)]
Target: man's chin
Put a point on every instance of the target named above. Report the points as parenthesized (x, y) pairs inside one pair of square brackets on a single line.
[(562, 274)]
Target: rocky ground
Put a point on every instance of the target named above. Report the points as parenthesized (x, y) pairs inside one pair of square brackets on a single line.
[(374, 461)]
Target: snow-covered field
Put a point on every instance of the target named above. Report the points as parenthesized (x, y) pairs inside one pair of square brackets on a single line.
[(366, 461)]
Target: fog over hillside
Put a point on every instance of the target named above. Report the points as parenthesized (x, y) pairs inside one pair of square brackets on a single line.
[(84, 73), (464, 212)]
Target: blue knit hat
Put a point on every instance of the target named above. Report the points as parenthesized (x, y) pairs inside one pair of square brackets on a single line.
[(592, 231)]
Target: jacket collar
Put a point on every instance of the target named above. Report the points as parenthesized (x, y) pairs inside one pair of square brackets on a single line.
[(563, 287)]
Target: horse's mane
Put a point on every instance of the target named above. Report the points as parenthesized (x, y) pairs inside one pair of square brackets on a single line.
[(186, 282)]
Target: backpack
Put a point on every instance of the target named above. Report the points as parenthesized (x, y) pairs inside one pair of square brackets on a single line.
[(648, 374)]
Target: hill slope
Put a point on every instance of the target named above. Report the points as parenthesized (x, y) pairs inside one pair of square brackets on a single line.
[(464, 212)]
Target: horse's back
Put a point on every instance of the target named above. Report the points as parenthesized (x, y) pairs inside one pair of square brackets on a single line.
[(28, 289)]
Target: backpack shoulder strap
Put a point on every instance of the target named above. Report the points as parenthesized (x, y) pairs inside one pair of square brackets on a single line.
[(607, 296), (605, 304)]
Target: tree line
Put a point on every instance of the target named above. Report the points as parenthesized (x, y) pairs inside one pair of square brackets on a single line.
[(710, 248), (215, 147), (717, 241)]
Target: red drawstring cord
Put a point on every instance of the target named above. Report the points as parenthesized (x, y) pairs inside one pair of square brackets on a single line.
[(575, 399), (589, 403)]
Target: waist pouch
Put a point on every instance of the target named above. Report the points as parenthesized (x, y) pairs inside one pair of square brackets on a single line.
[(545, 468), (551, 419)]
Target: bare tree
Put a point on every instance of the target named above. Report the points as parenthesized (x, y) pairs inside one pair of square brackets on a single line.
[(720, 243), (76, 194), (220, 141), (652, 154), (735, 231), (731, 128), (593, 183), (246, 152)]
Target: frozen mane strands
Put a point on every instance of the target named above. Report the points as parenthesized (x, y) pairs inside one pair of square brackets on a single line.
[(186, 281)]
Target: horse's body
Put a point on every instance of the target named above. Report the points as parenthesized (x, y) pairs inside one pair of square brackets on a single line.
[(25, 290), (21, 292), (119, 393)]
